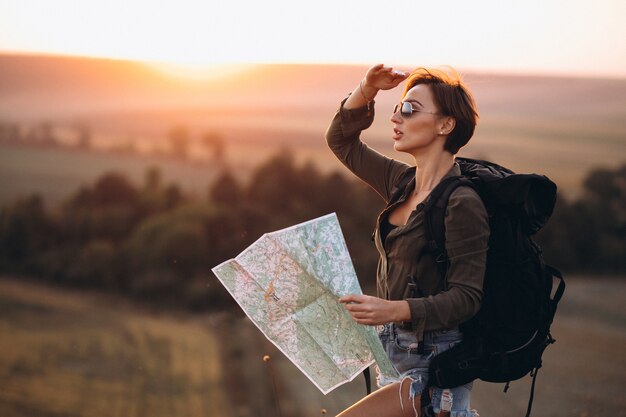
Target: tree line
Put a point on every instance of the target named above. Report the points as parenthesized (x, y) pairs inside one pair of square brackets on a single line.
[(154, 243), (179, 140)]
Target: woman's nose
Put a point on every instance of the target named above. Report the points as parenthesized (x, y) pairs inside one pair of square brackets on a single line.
[(395, 117)]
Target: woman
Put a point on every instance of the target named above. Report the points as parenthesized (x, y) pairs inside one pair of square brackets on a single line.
[(417, 311)]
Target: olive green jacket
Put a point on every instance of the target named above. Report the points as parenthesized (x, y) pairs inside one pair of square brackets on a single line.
[(442, 304)]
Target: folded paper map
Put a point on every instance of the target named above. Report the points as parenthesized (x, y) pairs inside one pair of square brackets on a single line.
[(289, 282)]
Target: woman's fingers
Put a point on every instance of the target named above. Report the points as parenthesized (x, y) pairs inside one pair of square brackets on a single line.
[(358, 308), (362, 317), (397, 76), (376, 68), (353, 298), (377, 72), (364, 309), (370, 310), (384, 78)]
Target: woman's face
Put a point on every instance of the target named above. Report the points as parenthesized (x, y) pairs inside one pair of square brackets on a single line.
[(417, 133)]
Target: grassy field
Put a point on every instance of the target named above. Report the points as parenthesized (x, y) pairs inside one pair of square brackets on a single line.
[(73, 354), (70, 353)]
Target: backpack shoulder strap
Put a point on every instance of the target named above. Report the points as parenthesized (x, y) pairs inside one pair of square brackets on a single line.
[(434, 218)]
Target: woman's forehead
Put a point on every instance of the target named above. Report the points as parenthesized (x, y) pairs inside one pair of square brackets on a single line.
[(421, 93)]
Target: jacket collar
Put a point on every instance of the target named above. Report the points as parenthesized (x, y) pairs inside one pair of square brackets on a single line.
[(455, 171)]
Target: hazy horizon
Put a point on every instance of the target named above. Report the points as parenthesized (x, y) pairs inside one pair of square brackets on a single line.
[(560, 126)]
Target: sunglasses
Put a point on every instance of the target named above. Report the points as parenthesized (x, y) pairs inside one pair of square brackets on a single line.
[(406, 110)]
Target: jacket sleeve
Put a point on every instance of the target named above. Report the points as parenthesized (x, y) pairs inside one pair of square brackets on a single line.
[(467, 239), (343, 138)]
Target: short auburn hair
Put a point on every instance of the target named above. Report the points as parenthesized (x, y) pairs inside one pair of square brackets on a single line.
[(453, 99)]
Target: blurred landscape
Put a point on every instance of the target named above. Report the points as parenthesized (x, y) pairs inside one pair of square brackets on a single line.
[(84, 354), (562, 127), (123, 183)]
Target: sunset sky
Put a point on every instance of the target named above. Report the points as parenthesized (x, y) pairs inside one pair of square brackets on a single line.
[(571, 37)]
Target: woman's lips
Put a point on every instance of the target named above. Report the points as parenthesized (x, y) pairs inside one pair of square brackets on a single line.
[(397, 134)]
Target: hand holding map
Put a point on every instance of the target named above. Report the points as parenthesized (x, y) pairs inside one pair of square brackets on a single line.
[(289, 283)]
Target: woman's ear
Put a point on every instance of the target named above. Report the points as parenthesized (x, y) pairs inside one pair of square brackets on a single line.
[(447, 125)]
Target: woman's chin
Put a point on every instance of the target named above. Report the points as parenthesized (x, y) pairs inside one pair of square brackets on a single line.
[(398, 147)]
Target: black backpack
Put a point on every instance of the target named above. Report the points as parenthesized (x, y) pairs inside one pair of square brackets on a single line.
[(505, 340)]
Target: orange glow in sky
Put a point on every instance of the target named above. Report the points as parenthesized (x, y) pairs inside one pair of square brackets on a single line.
[(554, 36)]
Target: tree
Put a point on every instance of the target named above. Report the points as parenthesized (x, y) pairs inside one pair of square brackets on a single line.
[(167, 251), (25, 229), (589, 235), (83, 137), (173, 196), (107, 210), (226, 190), (114, 188), (607, 188), (95, 265), (178, 137), (153, 179), (605, 202), (215, 145), (273, 183)]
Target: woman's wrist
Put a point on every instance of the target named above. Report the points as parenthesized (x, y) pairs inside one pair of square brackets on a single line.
[(402, 311), (361, 96), (367, 91)]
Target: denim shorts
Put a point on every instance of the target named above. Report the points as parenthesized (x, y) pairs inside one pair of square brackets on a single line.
[(402, 348)]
